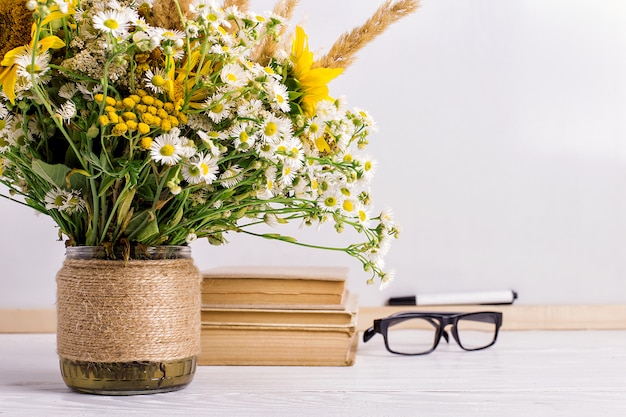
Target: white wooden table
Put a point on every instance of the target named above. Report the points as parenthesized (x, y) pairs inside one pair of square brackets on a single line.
[(527, 373)]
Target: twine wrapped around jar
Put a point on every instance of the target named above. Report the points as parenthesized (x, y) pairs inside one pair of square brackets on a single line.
[(122, 311)]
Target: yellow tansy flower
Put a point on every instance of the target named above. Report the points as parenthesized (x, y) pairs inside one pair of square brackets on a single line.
[(104, 120), (143, 128), (129, 103), (146, 142)]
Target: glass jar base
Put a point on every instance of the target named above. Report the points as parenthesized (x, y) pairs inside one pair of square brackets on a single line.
[(128, 378)]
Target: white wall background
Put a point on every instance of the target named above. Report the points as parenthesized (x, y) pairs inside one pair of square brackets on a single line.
[(501, 149)]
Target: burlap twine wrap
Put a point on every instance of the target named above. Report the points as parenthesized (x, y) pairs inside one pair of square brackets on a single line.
[(118, 311)]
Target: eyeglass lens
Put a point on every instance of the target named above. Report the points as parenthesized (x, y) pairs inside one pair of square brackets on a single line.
[(476, 331), (412, 336), (418, 334)]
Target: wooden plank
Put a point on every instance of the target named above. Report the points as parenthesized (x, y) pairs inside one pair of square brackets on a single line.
[(516, 317), (28, 321), (524, 317), (530, 373)]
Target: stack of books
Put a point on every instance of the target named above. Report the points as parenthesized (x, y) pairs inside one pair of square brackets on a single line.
[(264, 315)]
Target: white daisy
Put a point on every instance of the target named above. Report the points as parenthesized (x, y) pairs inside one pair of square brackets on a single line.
[(279, 96), (274, 128), (187, 147), (267, 150), (265, 72), (209, 11), (192, 174), (330, 200), (244, 138), (384, 245), (290, 152), (191, 237), (67, 111), (3, 111), (155, 80), (386, 218), (209, 139), (166, 148), (219, 49), (201, 169), (62, 200), (327, 110), (267, 189), (249, 108), (374, 257), (173, 37), (231, 176), (363, 215), (6, 124), (88, 91), (271, 219), (144, 41), (5, 144), (62, 5), (349, 206), (366, 118), (55, 199), (302, 190), (27, 68), (233, 75), (217, 108), (208, 167), (287, 175), (315, 127), (192, 30), (114, 22), (40, 130), (74, 203), (154, 37), (368, 165), (386, 280)]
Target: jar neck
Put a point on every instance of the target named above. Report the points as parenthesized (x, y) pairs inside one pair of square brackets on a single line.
[(125, 253)]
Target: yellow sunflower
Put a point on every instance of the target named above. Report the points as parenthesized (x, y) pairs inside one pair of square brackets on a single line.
[(312, 81), (12, 21), (185, 78)]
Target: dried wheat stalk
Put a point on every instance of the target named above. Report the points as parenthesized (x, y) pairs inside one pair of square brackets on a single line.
[(242, 5), (285, 9), (165, 13), (343, 52)]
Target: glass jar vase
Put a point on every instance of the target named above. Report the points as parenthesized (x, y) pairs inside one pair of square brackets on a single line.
[(128, 322)]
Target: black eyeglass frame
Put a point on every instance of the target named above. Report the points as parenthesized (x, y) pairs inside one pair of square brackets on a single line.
[(440, 321)]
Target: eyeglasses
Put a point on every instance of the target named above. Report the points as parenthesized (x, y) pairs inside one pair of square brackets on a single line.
[(417, 333)]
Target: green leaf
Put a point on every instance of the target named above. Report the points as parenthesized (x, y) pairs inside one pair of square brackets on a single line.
[(126, 199), (280, 237), (72, 181), (294, 95), (105, 185), (53, 174), (142, 226), (177, 217), (60, 176)]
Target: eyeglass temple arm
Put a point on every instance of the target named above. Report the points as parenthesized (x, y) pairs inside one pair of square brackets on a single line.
[(443, 331), (368, 334), (481, 318)]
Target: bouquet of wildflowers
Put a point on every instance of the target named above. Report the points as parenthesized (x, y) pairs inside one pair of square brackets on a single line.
[(158, 122)]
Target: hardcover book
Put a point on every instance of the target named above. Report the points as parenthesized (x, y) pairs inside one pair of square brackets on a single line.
[(299, 287)]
